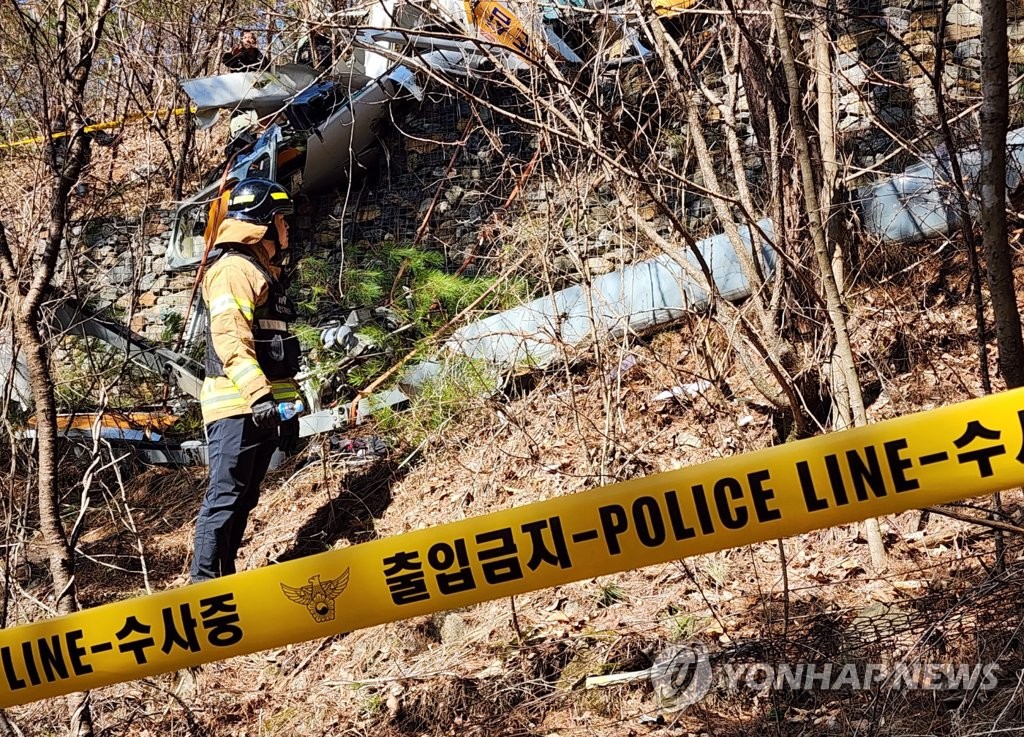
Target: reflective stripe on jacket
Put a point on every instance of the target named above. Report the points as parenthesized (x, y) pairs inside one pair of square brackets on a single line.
[(233, 288)]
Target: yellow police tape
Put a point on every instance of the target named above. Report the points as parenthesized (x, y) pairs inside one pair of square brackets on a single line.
[(93, 127), (910, 462)]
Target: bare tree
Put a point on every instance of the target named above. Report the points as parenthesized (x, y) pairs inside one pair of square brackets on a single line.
[(156, 47), (60, 47), (995, 114), (843, 357)]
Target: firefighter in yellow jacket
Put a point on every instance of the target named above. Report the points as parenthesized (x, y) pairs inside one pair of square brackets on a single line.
[(251, 360)]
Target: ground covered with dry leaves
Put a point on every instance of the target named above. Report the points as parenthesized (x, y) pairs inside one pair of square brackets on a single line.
[(521, 667)]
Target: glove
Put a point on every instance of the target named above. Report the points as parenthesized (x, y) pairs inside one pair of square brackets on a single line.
[(264, 412), (288, 435)]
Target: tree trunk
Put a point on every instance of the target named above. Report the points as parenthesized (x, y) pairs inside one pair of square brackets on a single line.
[(62, 563), (994, 122), (187, 144), (995, 119), (844, 358), (966, 221)]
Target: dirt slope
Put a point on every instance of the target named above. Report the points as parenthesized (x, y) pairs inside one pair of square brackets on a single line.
[(520, 667)]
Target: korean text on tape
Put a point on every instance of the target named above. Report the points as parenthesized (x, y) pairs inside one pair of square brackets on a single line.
[(934, 457)]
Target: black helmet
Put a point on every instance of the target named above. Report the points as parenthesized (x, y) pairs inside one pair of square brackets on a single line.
[(257, 200)]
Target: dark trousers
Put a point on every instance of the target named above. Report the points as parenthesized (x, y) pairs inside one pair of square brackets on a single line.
[(240, 454)]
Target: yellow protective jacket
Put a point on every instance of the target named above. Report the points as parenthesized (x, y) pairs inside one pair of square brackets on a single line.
[(233, 289)]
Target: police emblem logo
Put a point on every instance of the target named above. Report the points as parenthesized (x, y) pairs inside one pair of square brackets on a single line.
[(318, 596)]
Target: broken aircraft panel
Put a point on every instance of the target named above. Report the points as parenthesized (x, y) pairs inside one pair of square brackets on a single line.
[(908, 207), (921, 202), (69, 317), (266, 92), (634, 298)]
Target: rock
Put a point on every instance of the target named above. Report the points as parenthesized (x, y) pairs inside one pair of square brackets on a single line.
[(918, 55), (453, 629), (956, 32), (175, 301), (598, 265), (854, 76), (968, 50), (847, 43), (154, 227), (919, 38), (966, 91), (897, 19), (847, 60), (148, 299), (120, 275), (924, 102), (454, 194), (687, 440), (420, 145), (699, 207), (366, 214), (928, 20), (951, 75), (540, 194), (853, 124), (962, 14), (606, 238), (563, 264), (852, 104), (142, 171), (619, 256)]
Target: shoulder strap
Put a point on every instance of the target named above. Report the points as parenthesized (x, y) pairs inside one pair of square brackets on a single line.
[(243, 252)]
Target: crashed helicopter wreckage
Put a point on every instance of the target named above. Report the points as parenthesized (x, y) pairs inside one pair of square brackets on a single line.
[(642, 295), (909, 207), (325, 128), (325, 123), (317, 120)]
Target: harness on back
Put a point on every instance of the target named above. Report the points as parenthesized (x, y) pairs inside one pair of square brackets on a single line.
[(277, 350)]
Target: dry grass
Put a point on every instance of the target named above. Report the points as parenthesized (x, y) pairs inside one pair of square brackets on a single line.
[(492, 669)]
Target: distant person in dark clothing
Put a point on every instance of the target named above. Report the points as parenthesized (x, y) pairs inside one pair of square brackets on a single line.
[(246, 55)]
